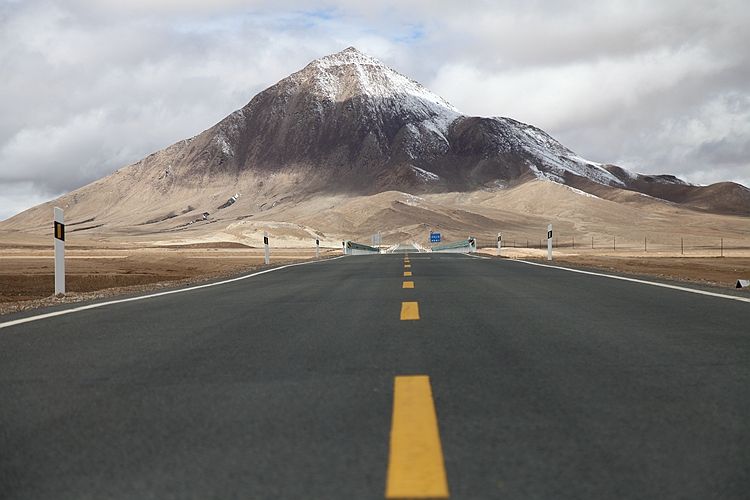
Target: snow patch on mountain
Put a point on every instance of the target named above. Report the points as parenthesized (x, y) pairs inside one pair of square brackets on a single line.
[(581, 193), (412, 200), (425, 175), (555, 159), (426, 137), (374, 78), (439, 125), (545, 176), (332, 78), (226, 148)]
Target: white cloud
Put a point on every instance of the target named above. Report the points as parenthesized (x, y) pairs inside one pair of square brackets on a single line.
[(17, 197), (706, 144), (573, 94)]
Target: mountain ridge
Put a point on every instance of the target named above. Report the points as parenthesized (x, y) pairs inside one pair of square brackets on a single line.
[(348, 124)]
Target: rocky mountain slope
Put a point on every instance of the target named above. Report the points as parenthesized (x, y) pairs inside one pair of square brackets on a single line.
[(347, 125)]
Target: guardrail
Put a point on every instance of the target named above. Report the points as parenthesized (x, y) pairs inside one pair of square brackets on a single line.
[(420, 248), (391, 248), (465, 246), (353, 248)]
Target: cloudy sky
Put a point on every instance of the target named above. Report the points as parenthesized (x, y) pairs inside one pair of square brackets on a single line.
[(90, 86)]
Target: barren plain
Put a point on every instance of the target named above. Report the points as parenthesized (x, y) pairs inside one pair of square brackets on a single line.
[(636, 234)]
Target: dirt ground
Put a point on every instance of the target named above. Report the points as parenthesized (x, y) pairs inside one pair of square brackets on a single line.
[(715, 271), (27, 273)]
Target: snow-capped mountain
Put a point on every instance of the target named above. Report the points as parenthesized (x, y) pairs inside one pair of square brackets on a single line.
[(348, 124), (364, 127)]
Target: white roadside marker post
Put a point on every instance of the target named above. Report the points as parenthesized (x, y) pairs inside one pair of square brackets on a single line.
[(317, 248), (59, 233), (549, 242), (499, 243), (265, 245)]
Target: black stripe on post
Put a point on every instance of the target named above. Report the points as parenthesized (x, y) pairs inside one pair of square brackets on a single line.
[(59, 231), (549, 235), (265, 240)]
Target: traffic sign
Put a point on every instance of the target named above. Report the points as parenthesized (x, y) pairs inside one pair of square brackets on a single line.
[(435, 237)]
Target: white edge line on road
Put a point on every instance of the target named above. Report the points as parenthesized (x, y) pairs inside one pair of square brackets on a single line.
[(151, 296), (635, 280), (477, 256)]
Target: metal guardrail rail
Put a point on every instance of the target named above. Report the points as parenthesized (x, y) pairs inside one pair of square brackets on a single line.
[(354, 248), (464, 246), (420, 248), (391, 248)]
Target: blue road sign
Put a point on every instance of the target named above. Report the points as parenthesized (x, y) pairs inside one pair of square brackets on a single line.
[(434, 237)]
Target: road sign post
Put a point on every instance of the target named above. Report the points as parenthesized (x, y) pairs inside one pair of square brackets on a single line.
[(317, 248), (267, 259), (499, 243), (59, 251), (549, 242)]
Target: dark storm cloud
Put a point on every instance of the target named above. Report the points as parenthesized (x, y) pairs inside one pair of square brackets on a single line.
[(90, 86)]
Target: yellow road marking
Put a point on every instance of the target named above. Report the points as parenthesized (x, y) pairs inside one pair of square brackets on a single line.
[(408, 284), (415, 462), (407, 273), (409, 310), (407, 266)]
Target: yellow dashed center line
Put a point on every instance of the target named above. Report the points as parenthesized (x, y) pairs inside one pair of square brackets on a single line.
[(409, 311), (415, 462), (408, 284), (407, 273)]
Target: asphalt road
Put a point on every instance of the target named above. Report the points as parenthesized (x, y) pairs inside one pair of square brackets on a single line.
[(546, 384)]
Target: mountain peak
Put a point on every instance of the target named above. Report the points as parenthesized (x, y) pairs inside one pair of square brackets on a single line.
[(349, 55), (350, 73)]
